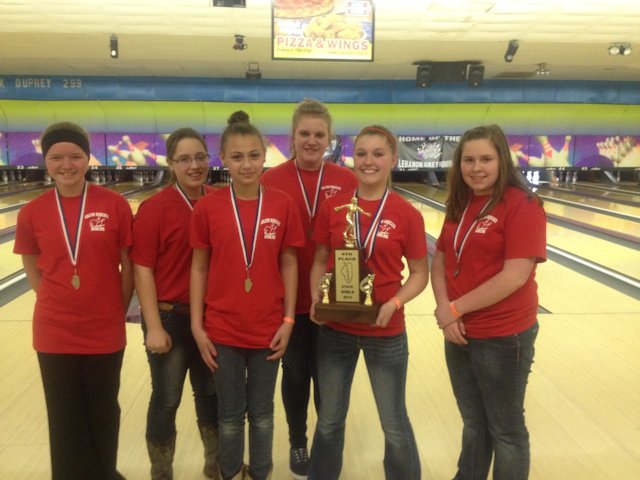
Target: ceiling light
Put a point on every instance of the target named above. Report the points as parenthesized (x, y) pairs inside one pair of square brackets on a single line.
[(113, 46), (542, 70), (620, 49), (511, 50)]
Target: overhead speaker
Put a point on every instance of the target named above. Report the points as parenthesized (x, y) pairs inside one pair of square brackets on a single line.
[(475, 75), (424, 76)]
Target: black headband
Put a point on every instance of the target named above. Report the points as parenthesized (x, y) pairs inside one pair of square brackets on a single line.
[(64, 135)]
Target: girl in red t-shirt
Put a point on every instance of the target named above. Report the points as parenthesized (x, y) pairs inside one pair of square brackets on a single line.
[(483, 280), (162, 265), (74, 240), (243, 293), (392, 230), (311, 181)]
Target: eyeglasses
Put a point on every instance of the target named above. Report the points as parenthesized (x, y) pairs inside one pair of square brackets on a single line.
[(185, 160)]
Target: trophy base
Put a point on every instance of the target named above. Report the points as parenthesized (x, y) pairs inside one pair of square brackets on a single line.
[(345, 312)]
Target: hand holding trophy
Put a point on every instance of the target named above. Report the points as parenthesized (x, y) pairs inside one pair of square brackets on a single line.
[(347, 292)]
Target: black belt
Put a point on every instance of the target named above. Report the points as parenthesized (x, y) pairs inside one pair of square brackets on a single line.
[(179, 308)]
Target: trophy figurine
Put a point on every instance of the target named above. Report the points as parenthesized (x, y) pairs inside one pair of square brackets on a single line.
[(347, 291), (366, 285), (349, 234), (325, 285)]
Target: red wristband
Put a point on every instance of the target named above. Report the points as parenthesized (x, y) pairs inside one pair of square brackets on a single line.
[(454, 310), (289, 320), (398, 303)]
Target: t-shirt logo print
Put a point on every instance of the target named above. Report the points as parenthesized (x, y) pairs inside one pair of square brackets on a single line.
[(330, 190), (97, 222), (485, 223), (385, 228), (270, 228)]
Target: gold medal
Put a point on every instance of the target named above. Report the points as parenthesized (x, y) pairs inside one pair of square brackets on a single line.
[(73, 248), (247, 284)]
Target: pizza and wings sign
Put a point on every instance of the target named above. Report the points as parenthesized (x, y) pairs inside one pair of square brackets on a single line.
[(322, 30)]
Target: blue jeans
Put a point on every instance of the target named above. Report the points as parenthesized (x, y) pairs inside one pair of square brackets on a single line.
[(245, 382), (168, 372), (298, 368), (386, 359), (489, 379)]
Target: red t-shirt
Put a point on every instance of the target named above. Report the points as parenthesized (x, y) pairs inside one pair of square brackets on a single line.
[(233, 316), (91, 319), (335, 180), (515, 228), (400, 234), (161, 242)]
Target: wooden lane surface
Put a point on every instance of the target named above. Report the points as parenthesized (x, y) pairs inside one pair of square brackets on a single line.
[(603, 198), (612, 255), (9, 219), (560, 289), (600, 220), (610, 205), (581, 404), (11, 263), (21, 197), (609, 254)]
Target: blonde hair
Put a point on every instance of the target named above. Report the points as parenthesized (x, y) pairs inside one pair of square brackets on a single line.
[(309, 107)]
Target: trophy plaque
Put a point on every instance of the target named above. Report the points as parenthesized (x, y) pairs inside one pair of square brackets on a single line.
[(347, 291)]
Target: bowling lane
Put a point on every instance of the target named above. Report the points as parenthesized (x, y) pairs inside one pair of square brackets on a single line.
[(11, 263), (8, 188), (597, 219), (620, 258), (138, 198), (9, 219), (575, 214), (600, 203), (19, 198), (560, 289), (599, 191)]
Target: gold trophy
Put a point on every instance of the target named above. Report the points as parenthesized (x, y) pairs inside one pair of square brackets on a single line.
[(347, 292)]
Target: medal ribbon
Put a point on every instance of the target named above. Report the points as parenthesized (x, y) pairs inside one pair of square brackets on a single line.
[(184, 195), (370, 239), (248, 260), (460, 248), (72, 250), (311, 210)]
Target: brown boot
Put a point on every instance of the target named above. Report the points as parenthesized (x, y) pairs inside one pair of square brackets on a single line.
[(249, 477), (241, 475), (209, 437), (161, 457)]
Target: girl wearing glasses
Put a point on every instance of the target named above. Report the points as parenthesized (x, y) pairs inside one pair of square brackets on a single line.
[(243, 294), (162, 265)]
